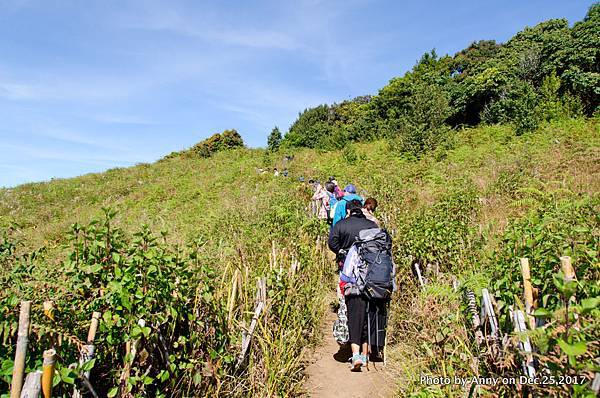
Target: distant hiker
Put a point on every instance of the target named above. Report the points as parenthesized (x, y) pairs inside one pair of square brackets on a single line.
[(321, 199), (337, 191), (367, 281), (344, 233), (340, 207), (275, 172), (369, 208), (330, 189)]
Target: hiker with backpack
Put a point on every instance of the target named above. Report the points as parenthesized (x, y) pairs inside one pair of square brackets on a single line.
[(340, 211), (367, 280), (344, 233)]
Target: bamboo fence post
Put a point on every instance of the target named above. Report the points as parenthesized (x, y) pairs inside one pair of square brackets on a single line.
[(261, 298), (21, 351), (567, 269), (419, 276), (518, 320), (131, 348), (596, 383), (93, 328), (528, 292), (87, 351), (32, 386), (49, 309), (48, 374), (569, 276), (231, 301)]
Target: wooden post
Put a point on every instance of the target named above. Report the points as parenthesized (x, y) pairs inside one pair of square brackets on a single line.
[(528, 292), (518, 320), (418, 270), (21, 351), (87, 351), (567, 269), (32, 386), (132, 350), (569, 276), (261, 298), (93, 327), (247, 336), (231, 301), (49, 309), (48, 375)]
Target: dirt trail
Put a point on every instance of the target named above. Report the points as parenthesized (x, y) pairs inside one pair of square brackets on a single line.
[(329, 374)]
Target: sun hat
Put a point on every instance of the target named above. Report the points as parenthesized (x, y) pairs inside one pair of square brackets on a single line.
[(350, 188)]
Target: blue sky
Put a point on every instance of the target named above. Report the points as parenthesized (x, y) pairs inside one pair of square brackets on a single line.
[(90, 85)]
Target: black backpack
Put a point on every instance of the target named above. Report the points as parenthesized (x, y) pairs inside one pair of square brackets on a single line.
[(375, 250)]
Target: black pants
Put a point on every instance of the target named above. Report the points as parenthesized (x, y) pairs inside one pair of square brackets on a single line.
[(357, 321)]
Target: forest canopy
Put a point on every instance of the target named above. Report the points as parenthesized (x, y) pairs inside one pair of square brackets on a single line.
[(543, 73)]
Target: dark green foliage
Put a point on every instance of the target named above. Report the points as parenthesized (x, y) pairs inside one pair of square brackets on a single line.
[(228, 139), (544, 72), (444, 233), (274, 139)]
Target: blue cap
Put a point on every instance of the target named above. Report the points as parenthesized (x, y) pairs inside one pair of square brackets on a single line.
[(350, 188)]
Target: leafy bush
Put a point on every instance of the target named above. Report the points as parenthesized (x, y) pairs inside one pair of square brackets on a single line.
[(568, 343), (228, 139)]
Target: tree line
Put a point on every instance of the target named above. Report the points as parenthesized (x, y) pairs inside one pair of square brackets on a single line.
[(546, 72)]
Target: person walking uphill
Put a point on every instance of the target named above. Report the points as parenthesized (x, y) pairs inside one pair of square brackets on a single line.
[(340, 210), (321, 200), (343, 236)]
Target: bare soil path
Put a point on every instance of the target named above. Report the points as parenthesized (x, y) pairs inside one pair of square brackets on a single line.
[(329, 374)]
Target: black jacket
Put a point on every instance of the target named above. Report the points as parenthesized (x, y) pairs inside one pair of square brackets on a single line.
[(345, 232)]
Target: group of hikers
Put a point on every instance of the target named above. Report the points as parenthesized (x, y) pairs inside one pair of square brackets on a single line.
[(365, 266)]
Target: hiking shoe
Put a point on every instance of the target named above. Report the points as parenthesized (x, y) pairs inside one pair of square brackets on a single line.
[(363, 358), (357, 362)]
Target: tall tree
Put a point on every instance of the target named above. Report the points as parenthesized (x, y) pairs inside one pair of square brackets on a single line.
[(274, 139)]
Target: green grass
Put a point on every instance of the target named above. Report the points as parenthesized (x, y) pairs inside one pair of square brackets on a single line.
[(238, 213)]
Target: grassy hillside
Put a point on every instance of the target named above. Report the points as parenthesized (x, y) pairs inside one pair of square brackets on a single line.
[(471, 208)]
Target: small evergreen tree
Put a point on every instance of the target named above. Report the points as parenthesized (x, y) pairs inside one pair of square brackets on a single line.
[(274, 139)]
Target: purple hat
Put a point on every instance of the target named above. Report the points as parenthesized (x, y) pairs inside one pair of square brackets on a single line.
[(350, 188)]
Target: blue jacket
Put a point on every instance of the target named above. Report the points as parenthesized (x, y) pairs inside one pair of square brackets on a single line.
[(332, 200), (340, 208)]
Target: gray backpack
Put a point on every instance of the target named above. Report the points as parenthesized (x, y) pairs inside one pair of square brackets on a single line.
[(376, 272)]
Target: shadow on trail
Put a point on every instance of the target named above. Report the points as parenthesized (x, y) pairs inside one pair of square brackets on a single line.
[(344, 354)]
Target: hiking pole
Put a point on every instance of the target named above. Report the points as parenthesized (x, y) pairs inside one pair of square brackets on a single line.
[(387, 314), (368, 331)]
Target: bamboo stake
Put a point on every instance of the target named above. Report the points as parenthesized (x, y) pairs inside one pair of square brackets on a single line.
[(247, 336), (528, 292), (421, 282), (48, 375), (32, 386), (569, 276), (21, 352), (87, 351), (567, 269), (131, 350), (93, 327), (518, 321), (231, 301), (49, 309)]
